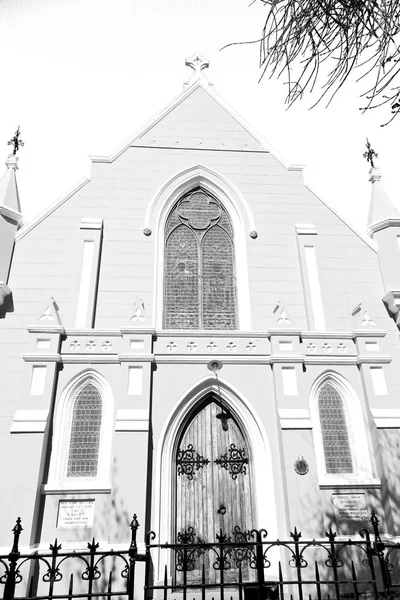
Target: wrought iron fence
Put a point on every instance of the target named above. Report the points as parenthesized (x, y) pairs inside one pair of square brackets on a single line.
[(240, 566)]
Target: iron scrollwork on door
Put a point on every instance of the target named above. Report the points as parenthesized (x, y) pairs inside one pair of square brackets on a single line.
[(234, 461), (188, 461)]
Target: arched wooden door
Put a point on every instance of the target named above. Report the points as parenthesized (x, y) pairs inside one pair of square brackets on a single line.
[(213, 482)]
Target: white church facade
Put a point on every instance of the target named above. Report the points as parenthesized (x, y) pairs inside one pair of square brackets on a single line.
[(194, 336)]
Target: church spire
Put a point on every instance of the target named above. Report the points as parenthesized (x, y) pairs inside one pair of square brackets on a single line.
[(9, 196), (10, 217), (381, 208)]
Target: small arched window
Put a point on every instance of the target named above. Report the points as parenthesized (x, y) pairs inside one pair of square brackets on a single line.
[(334, 430), (82, 439), (83, 452), (199, 273)]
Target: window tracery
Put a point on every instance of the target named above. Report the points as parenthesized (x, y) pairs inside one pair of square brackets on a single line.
[(199, 281)]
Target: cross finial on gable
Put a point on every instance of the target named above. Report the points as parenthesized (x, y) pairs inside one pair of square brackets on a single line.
[(198, 63)]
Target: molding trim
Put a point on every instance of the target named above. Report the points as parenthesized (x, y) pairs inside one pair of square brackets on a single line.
[(45, 329), (42, 358), (382, 225), (305, 229), (92, 332), (386, 418), (11, 214), (29, 421), (85, 489), (328, 483), (295, 418), (91, 223), (135, 419)]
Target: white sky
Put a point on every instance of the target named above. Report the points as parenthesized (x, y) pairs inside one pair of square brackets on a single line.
[(80, 76)]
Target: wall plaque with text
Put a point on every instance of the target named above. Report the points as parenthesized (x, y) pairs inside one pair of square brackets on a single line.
[(75, 514), (350, 507)]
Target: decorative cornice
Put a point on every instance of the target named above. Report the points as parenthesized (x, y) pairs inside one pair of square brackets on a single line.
[(293, 332), (11, 214), (93, 332), (91, 223), (202, 359), (49, 329), (127, 329), (349, 485), (90, 359), (42, 357), (136, 357), (383, 225)]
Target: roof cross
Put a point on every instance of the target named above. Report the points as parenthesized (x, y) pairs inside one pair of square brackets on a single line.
[(369, 154), (198, 63), (16, 142)]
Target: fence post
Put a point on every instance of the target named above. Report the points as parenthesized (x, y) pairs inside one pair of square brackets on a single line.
[(379, 548), (13, 557), (260, 560), (134, 525)]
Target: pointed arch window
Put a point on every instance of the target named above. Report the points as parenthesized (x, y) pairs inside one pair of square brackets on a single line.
[(84, 445), (199, 279), (82, 440), (334, 430)]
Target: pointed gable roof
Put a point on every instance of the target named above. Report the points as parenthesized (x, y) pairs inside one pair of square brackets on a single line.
[(199, 121), (381, 209), (9, 197)]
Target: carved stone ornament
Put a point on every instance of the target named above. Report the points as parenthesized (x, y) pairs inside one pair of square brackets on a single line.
[(253, 235), (147, 231), (301, 466)]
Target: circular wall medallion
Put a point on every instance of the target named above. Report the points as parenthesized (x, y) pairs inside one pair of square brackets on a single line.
[(301, 466), (147, 231), (254, 235)]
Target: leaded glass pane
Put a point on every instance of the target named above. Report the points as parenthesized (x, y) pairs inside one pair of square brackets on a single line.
[(199, 283), (335, 437), (83, 455), (181, 298), (218, 281)]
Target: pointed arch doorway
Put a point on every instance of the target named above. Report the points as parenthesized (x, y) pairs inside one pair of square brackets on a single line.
[(213, 477)]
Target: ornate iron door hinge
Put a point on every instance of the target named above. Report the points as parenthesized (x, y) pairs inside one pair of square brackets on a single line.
[(189, 461), (234, 461)]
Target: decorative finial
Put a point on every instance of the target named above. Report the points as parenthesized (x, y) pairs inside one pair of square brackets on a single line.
[(198, 63), (370, 154), (16, 142)]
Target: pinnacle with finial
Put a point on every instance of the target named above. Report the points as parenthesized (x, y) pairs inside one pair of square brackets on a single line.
[(370, 154), (16, 142)]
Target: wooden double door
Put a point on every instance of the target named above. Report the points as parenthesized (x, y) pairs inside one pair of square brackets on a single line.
[(213, 486)]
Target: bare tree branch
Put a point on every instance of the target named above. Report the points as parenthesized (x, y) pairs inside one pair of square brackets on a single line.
[(299, 37)]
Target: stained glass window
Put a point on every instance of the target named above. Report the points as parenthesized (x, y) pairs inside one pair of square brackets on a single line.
[(199, 288), (335, 436), (83, 454)]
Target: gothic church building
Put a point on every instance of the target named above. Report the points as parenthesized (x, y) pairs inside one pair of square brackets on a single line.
[(194, 336)]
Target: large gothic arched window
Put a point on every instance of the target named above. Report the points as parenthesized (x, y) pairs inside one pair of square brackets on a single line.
[(199, 280), (334, 430)]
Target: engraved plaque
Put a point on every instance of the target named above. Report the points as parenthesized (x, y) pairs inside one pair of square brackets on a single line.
[(350, 507), (75, 514)]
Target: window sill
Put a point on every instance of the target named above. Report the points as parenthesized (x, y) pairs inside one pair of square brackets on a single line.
[(332, 482), (79, 486)]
